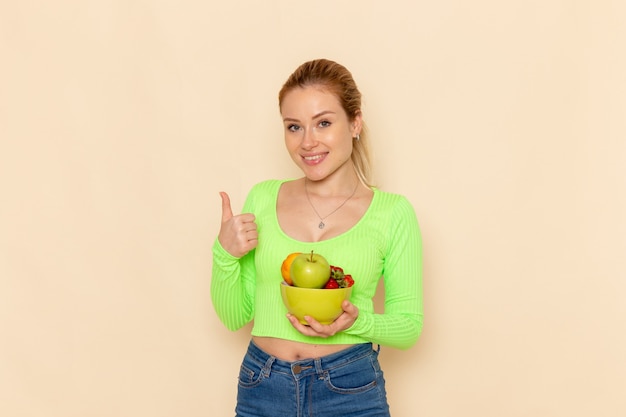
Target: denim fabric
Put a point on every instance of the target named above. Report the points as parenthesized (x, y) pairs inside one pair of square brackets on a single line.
[(347, 383)]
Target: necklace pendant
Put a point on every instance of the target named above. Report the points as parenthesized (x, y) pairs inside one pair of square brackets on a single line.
[(321, 225)]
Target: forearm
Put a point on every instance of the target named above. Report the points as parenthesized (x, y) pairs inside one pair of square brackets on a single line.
[(395, 330), (231, 291)]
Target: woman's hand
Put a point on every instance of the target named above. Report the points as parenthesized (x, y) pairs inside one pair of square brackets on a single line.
[(238, 234), (315, 328)]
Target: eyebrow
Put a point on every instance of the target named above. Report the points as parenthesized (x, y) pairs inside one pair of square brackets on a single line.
[(318, 115)]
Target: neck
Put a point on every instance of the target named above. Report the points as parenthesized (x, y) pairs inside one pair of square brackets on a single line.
[(322, 224), (336, 185)]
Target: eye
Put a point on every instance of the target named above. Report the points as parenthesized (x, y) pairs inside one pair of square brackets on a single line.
[(293, 128), (324, 123)]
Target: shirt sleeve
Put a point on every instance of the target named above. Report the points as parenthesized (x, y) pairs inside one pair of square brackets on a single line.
[(233, 283), (401, 323)]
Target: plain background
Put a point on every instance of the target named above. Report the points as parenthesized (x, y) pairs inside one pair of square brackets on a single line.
[(503, 122)]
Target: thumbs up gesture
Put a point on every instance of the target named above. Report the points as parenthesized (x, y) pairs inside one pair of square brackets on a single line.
[(238, 234)]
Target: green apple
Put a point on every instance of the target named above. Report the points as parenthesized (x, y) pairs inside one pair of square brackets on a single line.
[(310, 270)]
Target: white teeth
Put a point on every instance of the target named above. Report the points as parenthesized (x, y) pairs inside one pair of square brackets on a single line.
[(313, 158)]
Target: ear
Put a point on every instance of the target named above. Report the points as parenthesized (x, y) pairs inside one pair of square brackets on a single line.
[(357, 124)]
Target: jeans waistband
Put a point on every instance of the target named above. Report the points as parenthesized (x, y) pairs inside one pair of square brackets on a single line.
[(313, 365)]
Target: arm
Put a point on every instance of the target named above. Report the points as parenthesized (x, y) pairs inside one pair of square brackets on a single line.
[(233, 287), (233, 274), (401, 323)]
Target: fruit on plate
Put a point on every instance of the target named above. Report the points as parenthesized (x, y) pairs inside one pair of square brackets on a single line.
[(285, 268), (309, 270)]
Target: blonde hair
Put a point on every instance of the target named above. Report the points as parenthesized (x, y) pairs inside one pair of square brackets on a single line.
[(338, 80)]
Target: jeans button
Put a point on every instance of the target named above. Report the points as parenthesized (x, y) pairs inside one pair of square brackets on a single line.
[(297, 369)]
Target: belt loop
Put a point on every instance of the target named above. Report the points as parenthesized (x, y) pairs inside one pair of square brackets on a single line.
[(267, 368), (318, 366)]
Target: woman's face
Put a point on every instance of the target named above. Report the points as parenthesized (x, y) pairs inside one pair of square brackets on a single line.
[(318, 133)]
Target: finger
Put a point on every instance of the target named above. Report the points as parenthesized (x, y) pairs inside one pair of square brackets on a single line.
[(313, 324), (252, 235), (227, 212), (243, 227), (321, 330), (350, 308), (296, 323), (304, 329), (247, 218)]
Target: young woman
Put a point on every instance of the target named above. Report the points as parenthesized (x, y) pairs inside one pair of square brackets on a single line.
[(291, 369)]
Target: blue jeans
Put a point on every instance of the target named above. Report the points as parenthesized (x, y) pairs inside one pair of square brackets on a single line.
[(347, 383)]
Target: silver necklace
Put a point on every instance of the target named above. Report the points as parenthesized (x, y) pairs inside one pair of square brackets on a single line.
[(322, 224)]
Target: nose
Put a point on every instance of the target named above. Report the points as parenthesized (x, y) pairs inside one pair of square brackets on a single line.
[(308, 139)]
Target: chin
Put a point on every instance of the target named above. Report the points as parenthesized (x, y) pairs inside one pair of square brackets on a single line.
[(315, 176)]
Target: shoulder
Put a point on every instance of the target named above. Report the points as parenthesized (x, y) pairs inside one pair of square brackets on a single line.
[(267, 187), (264, 192), (392, 201), (398, 216)]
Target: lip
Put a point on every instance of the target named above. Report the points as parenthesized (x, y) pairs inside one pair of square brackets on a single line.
[(314, 159)]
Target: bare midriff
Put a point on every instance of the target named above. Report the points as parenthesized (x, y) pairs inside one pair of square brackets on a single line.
[(290, 351)]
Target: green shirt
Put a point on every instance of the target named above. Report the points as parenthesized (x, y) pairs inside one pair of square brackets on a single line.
[(386, 243)]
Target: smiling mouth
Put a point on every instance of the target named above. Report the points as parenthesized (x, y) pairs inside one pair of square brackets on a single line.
[(314, 159)]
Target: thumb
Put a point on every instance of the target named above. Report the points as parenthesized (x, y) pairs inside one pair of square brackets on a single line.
[(227, 212), (350, 308)]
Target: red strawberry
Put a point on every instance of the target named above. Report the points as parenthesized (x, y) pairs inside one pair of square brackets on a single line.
[(341, 280), (336, 272), (331, 284), (348, 281)]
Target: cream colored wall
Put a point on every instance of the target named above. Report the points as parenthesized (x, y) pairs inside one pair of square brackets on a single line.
[(502, 122)]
